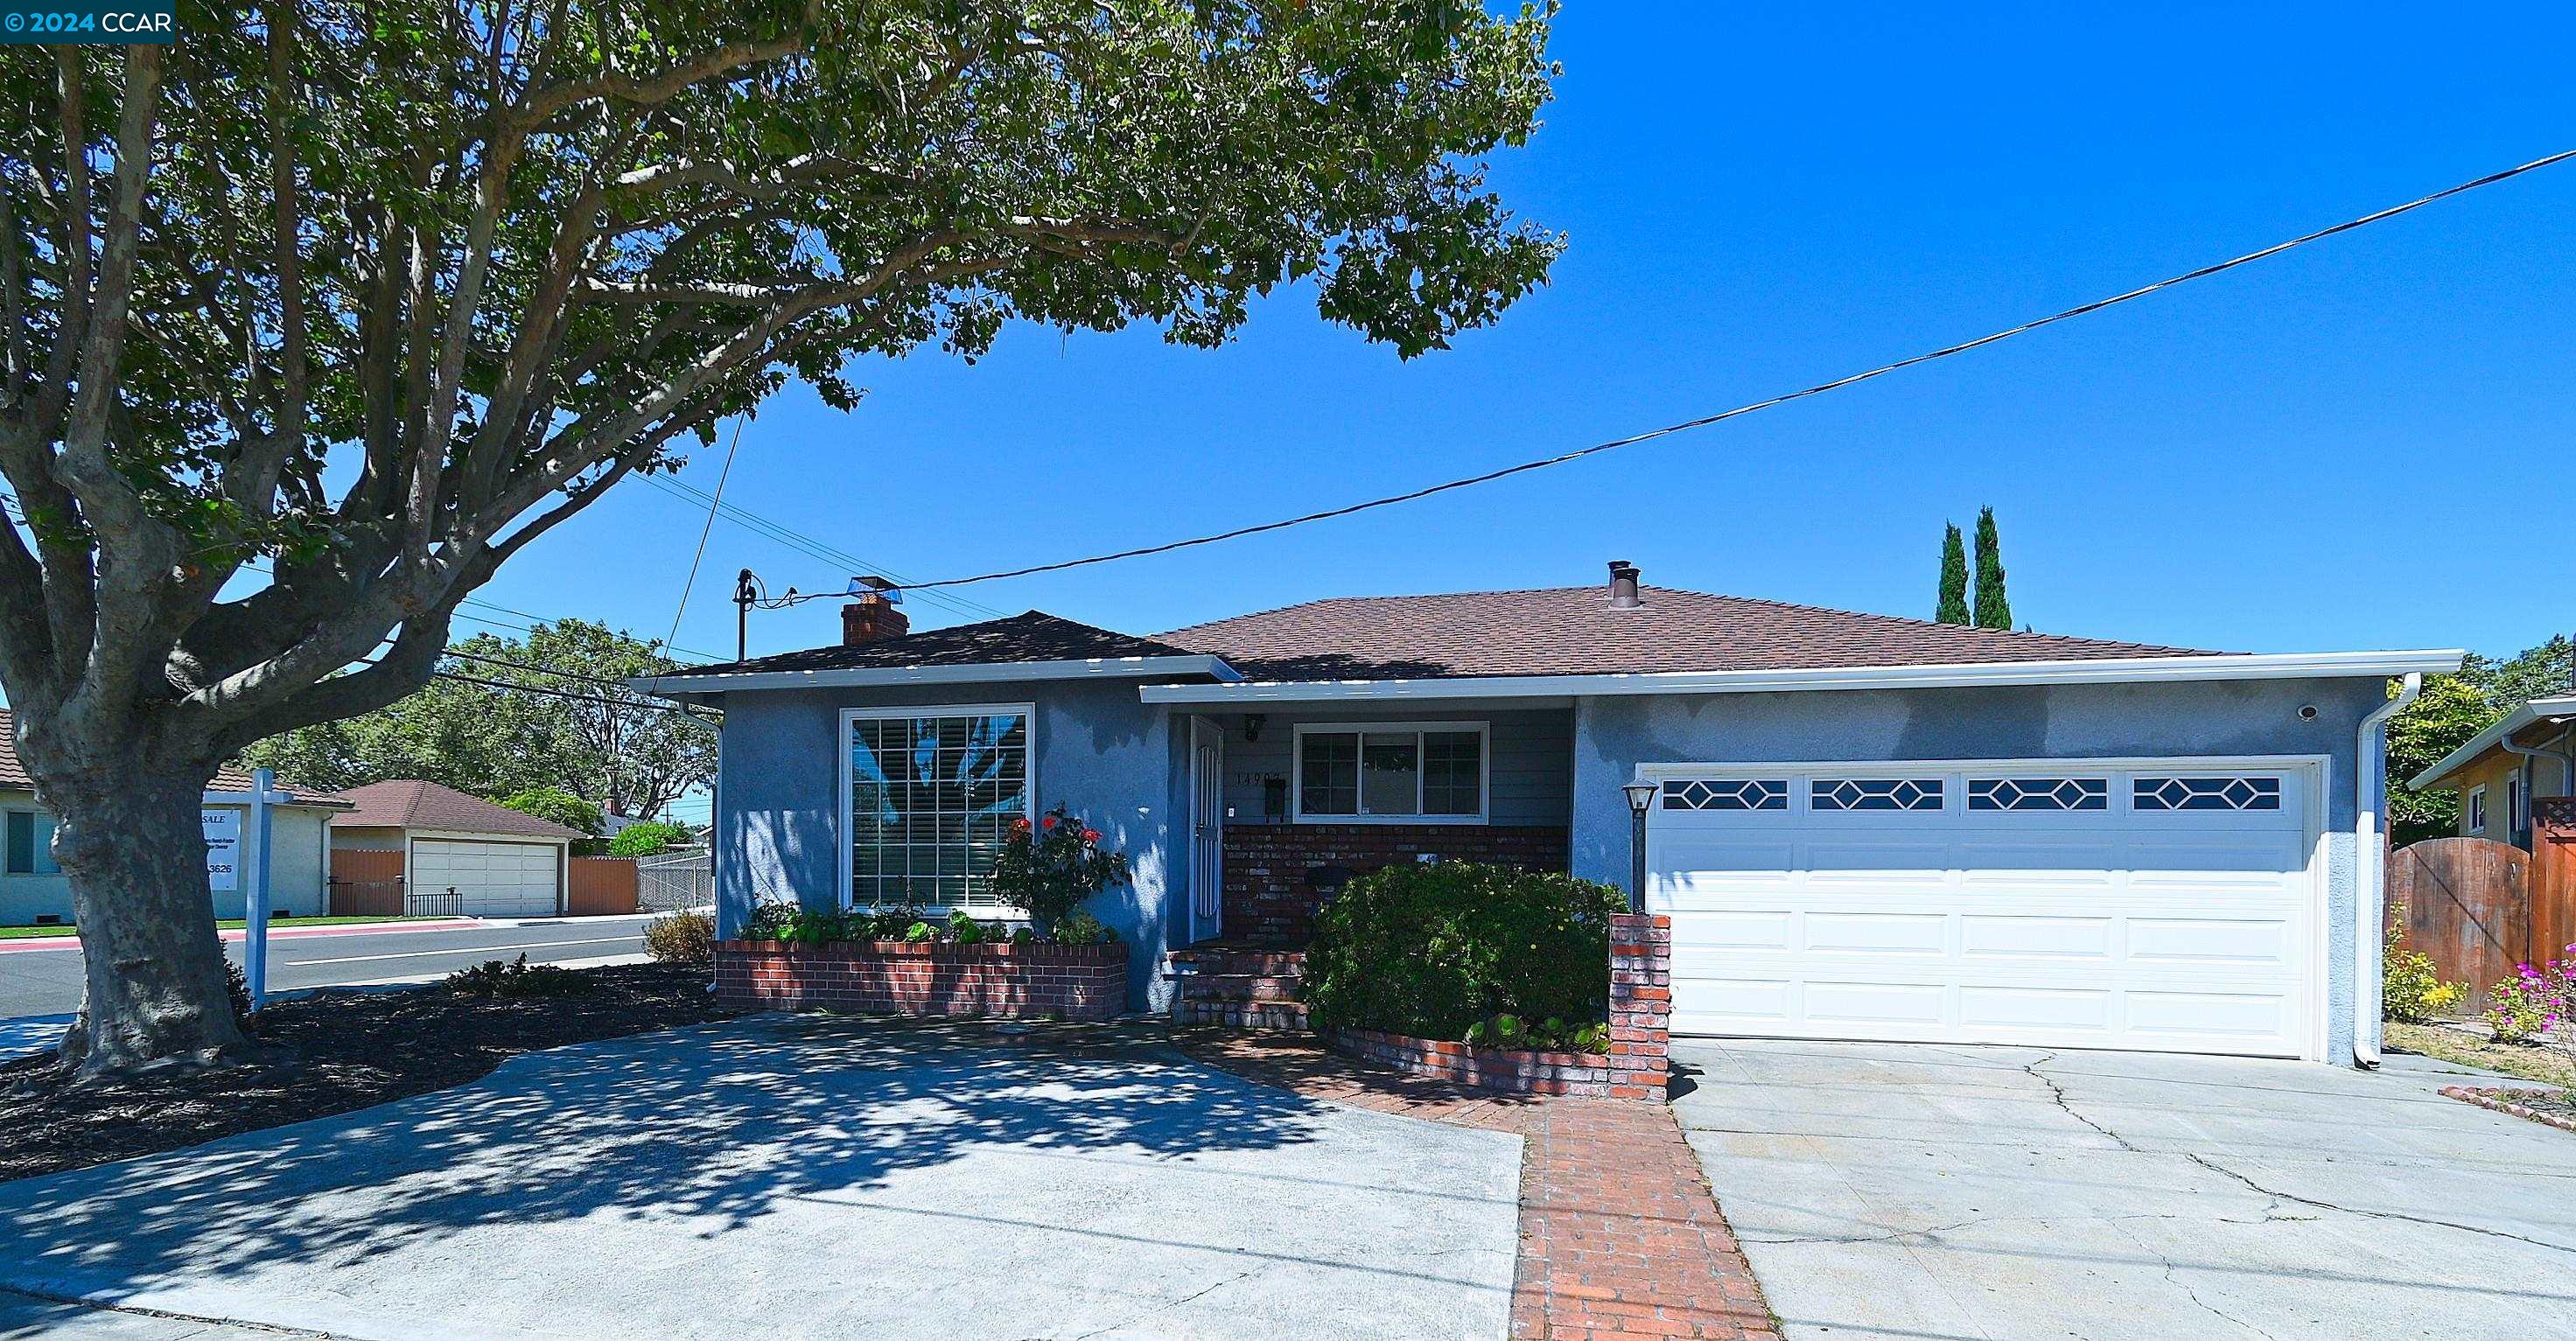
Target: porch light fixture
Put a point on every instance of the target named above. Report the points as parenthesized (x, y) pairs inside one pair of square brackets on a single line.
[(1641, 795)]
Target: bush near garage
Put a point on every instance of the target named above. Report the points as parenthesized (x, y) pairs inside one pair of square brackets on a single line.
[(2410, 991), (1434, 951)]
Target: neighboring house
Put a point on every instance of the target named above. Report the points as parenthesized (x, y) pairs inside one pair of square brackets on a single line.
[(2530, 752), (33, 890), (1862, 826), (500, 862)]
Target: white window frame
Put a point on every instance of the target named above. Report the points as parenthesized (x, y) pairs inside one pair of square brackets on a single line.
[(841, 763), (38, 853), (2514, 819), (1484, 732), (2475, 811)]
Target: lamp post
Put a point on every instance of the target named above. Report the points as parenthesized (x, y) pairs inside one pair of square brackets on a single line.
[(1640, 796)]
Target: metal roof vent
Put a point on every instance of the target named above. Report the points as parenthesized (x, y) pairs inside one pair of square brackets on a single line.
[(1623, 585)]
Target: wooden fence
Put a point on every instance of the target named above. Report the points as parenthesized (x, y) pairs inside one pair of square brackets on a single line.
[(366, 884), (2480, 908), (600, 885)]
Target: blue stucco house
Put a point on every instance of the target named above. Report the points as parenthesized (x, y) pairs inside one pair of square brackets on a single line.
[(1862, 826)]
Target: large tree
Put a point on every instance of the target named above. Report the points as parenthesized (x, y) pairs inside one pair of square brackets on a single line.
[(1951, 605), (511, 716), (318, 316), (1994, 608)]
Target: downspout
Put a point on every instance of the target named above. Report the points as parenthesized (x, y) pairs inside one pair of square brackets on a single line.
[(2565, 755), (2370, 869)]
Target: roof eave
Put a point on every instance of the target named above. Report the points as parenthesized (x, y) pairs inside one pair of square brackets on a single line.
[(2537, 710), (2106, 670), (689, 688)]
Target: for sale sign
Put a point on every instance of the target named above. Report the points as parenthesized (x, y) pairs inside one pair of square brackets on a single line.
[(223, 849)]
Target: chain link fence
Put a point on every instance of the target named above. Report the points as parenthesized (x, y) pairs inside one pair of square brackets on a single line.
[(679, 878)]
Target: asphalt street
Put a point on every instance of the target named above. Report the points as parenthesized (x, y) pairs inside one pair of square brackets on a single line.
[(42, 978)]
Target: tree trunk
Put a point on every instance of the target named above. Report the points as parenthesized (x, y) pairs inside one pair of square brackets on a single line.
[(133, 845)]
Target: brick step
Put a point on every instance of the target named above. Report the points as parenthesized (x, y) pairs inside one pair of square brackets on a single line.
[(1240, 987), (1218, 961), (1242, 1014)]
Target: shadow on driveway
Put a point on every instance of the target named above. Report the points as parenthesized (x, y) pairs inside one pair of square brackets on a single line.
[(807, 1176)]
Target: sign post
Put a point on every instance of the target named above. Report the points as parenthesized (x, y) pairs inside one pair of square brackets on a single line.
[(255, 904)]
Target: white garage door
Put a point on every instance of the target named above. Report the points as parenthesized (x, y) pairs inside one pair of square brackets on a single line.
[(497, 879), (2166, 906)]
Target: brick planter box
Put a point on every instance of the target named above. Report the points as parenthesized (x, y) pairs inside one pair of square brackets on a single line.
[(1494, 1070), (1078, 982)]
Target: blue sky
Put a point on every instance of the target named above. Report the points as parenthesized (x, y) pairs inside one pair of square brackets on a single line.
[(2357, 445)]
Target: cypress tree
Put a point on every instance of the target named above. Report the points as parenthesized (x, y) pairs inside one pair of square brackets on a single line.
[(1953, 607), (1994, 611)]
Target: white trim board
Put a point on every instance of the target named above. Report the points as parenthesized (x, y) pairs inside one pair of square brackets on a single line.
[(2108, 670), (999, 672)]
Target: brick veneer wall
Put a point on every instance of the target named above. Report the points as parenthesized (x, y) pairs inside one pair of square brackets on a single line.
[(1641, 1005), (1494, 1070), (1267, 894), (1079, 982)]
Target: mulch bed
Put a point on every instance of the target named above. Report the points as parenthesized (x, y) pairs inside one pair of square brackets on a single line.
[(347, 1050), (2548, 1107)]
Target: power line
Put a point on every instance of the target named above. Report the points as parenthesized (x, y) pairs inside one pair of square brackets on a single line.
[(1704, 421), (810, 545), (714, 501)]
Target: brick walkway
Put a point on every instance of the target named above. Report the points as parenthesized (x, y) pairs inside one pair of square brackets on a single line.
[(1620, 1237)]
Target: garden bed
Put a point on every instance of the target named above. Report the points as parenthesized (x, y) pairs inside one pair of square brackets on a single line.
[(2548, 1107), (1492, 1070), (943, 978), (2549, 1066), (341, 1051)]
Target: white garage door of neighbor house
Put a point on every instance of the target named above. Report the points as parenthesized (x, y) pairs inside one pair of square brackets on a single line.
[(2170, 906), (497, 879)]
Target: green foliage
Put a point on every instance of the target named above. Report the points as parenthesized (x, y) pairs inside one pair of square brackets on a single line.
[(964, 929), (1952, 606), (2410, 992), (517, 980), (237, 990), (1049, 868), (649, 837), (1994, 608), (2517, 1010), (1432, 950), (2450, 711), (1081, 928), (1549, 1035), (630, 751), (685, 937), (558, 806), (919, 932)]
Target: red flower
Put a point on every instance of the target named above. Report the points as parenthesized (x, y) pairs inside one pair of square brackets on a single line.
[(1019, 826), (1091, 835), (1047, 823)]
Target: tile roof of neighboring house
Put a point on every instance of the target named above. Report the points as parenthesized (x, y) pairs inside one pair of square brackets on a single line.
[(14, 774), (410, 804), (1575, 631), (1034, 636)]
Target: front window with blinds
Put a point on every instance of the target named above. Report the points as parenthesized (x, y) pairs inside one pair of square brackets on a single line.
[(1392, 771), (932, 792)]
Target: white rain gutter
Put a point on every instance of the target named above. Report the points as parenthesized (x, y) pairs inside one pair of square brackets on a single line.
[(2370, 870), (2106, 670)]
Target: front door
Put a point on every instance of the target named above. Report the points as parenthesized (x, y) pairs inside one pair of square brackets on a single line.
[(1207, 829)]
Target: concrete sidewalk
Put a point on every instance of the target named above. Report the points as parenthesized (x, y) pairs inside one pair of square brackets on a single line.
[(807, 1176), (1886, 1191)]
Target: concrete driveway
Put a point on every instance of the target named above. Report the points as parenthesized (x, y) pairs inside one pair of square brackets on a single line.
[(804, 1176), (1916, 1192)]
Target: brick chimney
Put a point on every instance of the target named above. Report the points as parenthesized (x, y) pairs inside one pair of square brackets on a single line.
[(871, 619)]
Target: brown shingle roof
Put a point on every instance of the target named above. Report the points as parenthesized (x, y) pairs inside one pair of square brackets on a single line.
[(412, 804), (1034, 636), (1574, 631), (14, 774)]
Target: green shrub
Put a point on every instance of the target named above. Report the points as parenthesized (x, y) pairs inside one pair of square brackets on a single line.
[(237, 988), (919, 932), (1433, 950), (964, 929), (1046, 870), (517, 979), (2410, 992), (1549, 1035), (643, 840), (2516, 1009), (1081, 928), (681, 938)]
